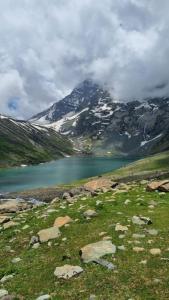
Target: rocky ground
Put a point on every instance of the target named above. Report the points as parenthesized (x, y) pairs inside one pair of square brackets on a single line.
[(109, 241)]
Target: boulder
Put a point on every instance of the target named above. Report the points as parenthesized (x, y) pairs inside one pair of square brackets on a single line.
[(90, 213), (94, 251), (139, 220), (4, 219), (138, 249), (61, 221), (155, 185), (10, 224), (13, 206), (3, 293), (122, 228), (100, 183), (44, 297), (48, 234), (164, 187), (155, 251), (67, 271)]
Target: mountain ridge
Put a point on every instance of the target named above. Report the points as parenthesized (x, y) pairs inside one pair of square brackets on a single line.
[(90, 116), (24, 143)]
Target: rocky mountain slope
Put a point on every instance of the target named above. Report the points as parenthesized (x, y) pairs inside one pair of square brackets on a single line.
[(22, 143), (92, 117)]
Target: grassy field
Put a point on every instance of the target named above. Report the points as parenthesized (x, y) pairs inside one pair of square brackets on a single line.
[(152, 164), (34, 274)]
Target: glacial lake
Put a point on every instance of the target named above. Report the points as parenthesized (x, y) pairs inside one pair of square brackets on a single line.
[(61, 171)]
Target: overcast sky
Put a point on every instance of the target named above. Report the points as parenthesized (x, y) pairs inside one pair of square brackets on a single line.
[(48, 46)]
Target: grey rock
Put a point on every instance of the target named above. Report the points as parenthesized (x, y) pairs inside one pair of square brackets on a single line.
[(6, 278), (34, 240), (105, 263), (3, 293), (67, 271), (44, 297), (16, 260), (48, 234), (92, 252)]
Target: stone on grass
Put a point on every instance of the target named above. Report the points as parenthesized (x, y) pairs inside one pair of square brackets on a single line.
[(105, 263), (139, 220), (155, 251), (3, 293), (122, 247), (127, 202), (34, 240), (16, 260), (138, 236), (155, 185), (4, 219), (138, 249), (35, 246), (48, 234), (90, 213), (10, 224), (61, 221), (153, 232), (6, 278), (96, 250), (67, 271), (100, 183), (13, 206), (122, 228), (44, 297)]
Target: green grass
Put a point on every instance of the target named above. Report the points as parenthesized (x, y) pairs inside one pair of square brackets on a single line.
[(151, 164), (131, 280)]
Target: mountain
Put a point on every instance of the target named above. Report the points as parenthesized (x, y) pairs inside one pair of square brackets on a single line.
[(96, 122), (24, 143)]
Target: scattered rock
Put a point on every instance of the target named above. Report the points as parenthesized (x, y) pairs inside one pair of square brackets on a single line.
[(155, 251), (143, 262), (122, 228), (34, 240), (92, 297), (153, 232), (96, 250), (139, 220), (155, 185), (3, 293), (6, 278), (44, 297), (122, 247), (138, 249), (13, 206), (67, 271), (36, 246), (48, 234), (138, 236), (127, 202), (90, 213), (105, 263), (100, 183), (16, 260), (66, 196), (25, 227), (10, 224), (4, 219), (61, 221), (164, 187)]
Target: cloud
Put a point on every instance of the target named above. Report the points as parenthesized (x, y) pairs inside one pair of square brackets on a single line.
[(47, 47)]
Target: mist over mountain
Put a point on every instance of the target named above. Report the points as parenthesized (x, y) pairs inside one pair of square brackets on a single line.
[(92, 117)]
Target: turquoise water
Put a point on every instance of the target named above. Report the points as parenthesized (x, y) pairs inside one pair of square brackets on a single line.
[(61, 171)]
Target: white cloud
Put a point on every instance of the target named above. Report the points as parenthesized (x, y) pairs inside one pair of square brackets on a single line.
[(47, 47)]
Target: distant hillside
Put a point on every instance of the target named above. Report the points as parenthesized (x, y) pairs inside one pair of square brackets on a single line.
[(23, 143)]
